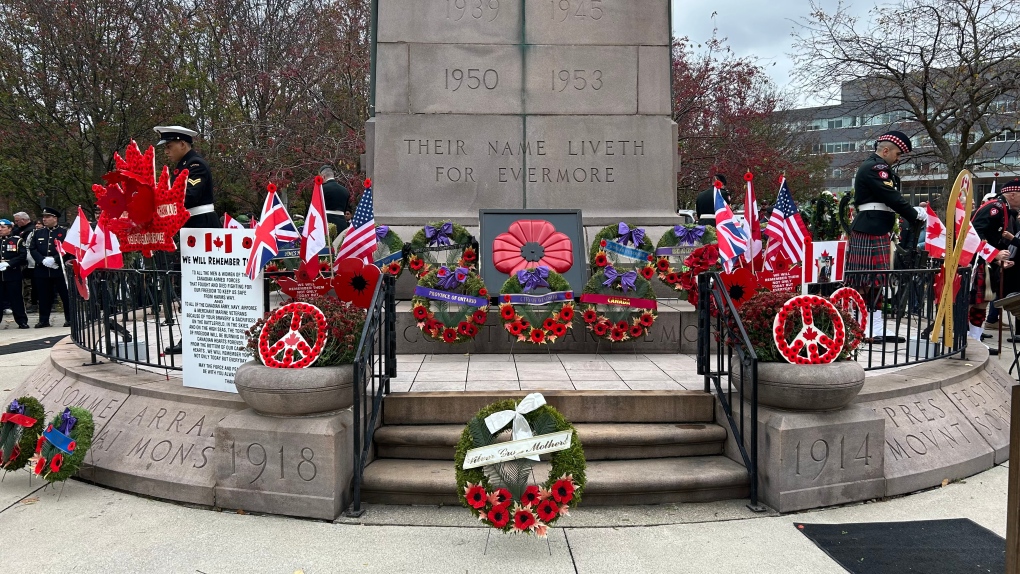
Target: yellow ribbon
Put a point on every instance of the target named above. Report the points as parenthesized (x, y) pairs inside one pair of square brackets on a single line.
[(943, 327)]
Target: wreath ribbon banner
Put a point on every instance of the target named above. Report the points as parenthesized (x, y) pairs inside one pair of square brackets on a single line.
[(523, 299), (59, 440), (528, 448), (389, 259), (18, 419), (437, 295), (628, 252), (675, 251), (619, 301)]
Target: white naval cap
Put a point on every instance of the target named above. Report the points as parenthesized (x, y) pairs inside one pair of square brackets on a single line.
[(174, 133)]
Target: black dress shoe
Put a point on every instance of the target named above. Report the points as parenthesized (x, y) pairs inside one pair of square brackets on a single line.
[(67, 323), (24, 326), (42, 325), (992, 351), (175, 350), (985, 336)]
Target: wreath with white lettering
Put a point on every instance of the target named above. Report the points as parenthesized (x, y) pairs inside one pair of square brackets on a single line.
[(499, 494), (810, 345), (537, 323), (622, 246), (388, 255), (20, 426), (674, 247), (292, 350), (62, 446), (440, 243), (450, 305), (618, 305)]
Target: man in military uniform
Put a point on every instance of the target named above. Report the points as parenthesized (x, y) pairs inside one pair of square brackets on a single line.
[(705, 203), (49, 280), (177, 144), (996, 222), (877, 200), (337, 198), (12, 258), (23, 227)]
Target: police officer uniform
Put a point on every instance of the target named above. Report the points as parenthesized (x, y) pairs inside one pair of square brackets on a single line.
[(877, 201), (337, 199), (198, 195), (49, 278), (12, 259)]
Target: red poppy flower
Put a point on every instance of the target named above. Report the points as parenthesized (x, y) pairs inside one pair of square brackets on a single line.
[(40, 465), (480, 316), (462, 328), (469, 255), (781, 264), (191, 241), (442, 272), (622, 325), (246, 243), (394, 268), (662, 265), (56, 462), (272, 268), (617, 334), (672, 278), (646, 319), (559, 329), (476, 497), (530, 496), (523, 519), (449, 335), (531, 243), (499, 516), (563, 490), (601, 260), (515, 328), (420, 312), (432, 325), (416, 263), (548, 323), (500, 497), (537, 336), (507, 312), (688, 281), (590, 316), (602, 243), (692, 297), (525, 323), (647, 272), (547, 511), (637, 331), (39, 444), (472, 330), (483, 292), (567, 313), (740, 285), (600, 329)]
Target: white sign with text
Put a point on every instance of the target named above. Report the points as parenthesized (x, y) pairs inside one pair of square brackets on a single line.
[(504, 451), (218, 304)]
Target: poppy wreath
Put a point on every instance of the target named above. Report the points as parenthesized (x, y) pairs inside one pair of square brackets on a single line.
[(499, 496), (292, 350), (22, 423), (702, 259), (388, 256), (426, 249), (821, 335), (621, 245), (675, 246), (62, 446), (529, 243), (537, 324), (447, 315), (616, 323)]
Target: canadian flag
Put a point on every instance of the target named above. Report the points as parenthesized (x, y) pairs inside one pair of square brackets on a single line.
[(230, 222), (972, 242), (313, 234), (103, 252), (78, 236), (987, 252), (935, 236)]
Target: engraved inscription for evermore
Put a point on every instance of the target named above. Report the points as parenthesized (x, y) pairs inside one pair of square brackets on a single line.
[(941, 434), (812, 458), (286, 463), (576, 9)]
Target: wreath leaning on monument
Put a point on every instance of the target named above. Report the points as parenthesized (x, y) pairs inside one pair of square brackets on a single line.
[(63, 444), (675, 246), (20, 426), (461, 304), (622, 246), (537, 319), (389, 251), (499, 494), (618, 305), (439, 243)]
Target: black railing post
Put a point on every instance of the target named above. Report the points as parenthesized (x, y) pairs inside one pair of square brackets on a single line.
[(391, 330)]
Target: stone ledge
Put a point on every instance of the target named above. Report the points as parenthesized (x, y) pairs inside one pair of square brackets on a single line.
[(926, 376)]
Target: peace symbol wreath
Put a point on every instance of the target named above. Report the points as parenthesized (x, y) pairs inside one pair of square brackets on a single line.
[(458, 324), (499, 494), (810, 344), (851, 302), (282, 353), (616, 323), (534, 323), (422, 258), (62, 446)]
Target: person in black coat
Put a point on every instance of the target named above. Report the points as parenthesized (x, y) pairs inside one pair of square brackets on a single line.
[(177, 144), (337, 198), (12, 258), (705, 204), (49, 280)]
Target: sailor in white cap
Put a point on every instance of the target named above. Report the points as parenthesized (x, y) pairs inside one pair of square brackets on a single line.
[(177, 143)]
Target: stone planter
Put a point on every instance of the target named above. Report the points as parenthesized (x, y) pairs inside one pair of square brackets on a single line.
[(295, 392), (809, 387)]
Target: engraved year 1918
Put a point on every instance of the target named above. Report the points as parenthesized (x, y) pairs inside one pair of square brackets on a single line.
[(581, 9), (486, 10), (257, 456)]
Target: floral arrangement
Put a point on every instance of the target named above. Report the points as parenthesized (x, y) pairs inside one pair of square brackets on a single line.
[(824, 218), (389, 251), (439, 237), (62, 446), (702, 259), (341, 332), (499, 495), (676, 245), (759, 315), (20, 426), (461, 304), (621, 245), (618, 305), (539, 322)]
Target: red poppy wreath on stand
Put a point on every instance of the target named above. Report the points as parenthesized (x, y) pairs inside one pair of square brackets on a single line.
[(450, 305), (440, 243), (623, 247), (536, 305), (618, 305)]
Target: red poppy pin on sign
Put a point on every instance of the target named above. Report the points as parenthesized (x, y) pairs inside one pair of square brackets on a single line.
[(355, 282)]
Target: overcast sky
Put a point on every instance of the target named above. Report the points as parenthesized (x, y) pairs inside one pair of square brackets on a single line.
[(753, 27)]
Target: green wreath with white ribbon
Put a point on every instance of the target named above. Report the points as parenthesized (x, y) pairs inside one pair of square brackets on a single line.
[(440, 243), (63, 444), (618, 305), (536, 318), (675, 246), (20, 426), (622, 246), (389, 251), (500, 494), (450, 305)]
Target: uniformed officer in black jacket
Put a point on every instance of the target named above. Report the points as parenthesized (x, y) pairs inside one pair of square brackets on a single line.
[(12, 258), (49, 278), (995, 221), (877, 200), (198, 196), (705, 203), (337, 198)]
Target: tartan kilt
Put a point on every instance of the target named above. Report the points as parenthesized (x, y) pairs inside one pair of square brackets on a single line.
[(977, 294), (868, 253)]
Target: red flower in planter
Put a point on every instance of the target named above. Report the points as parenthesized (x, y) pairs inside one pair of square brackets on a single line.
[(531, 243)]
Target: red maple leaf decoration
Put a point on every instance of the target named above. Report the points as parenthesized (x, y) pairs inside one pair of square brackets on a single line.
[(935, 230)]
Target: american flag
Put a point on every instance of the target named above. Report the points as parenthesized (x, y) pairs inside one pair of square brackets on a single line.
[(786, 230), (360, 239), (733, 240), (275, 214)]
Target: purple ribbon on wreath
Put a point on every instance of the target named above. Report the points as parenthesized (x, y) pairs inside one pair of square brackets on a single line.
[(439, 236), (688, 235), (627, 279), (16, 407), (381, 231), (67, 422), (625, 234), (450, 280), (532, 280)]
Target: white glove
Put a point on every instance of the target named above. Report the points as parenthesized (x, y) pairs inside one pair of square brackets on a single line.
[(49, 262), (4, 265)]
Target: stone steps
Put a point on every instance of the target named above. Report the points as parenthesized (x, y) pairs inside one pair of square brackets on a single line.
[(610, 482), (602, 441)]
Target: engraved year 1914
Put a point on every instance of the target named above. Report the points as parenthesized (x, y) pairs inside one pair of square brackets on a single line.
[(578, 9), (813, 458), (486, 10)]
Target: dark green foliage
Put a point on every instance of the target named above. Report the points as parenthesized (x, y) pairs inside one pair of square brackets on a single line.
[(28, 436), (610, 233), (82, 436)]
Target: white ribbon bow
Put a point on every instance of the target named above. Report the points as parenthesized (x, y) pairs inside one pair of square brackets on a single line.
[(521, 428)]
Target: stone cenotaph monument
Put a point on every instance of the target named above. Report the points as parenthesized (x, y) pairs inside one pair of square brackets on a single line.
[(511, 104)]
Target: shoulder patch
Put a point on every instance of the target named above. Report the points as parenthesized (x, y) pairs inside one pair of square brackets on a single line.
[(883, 174), (194, 164), (995, 211), (880, 166)]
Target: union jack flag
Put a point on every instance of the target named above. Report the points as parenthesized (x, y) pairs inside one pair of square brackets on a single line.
[(786, 230), (275, 214), (262, 251), (732, 236), (360, 240)]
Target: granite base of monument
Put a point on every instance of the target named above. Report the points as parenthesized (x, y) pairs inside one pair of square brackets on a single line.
[(291, 466)]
